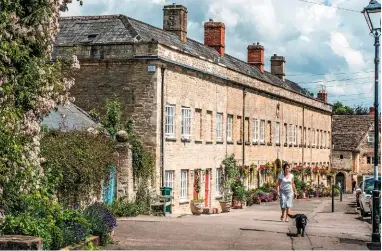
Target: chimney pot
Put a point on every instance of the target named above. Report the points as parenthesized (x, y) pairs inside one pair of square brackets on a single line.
[(214, 36), (322, 95), (175, 20), (211, 20), (255, 56)]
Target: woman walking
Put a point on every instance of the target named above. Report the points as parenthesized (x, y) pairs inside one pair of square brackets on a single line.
[(286, 191)]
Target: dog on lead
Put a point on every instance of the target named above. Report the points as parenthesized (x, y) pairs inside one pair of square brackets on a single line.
[(301, 221)]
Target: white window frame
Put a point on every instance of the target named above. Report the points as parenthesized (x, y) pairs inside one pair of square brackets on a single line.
[(186, 122), (229, 127), (219, 126), (218, 181), (183, 184), (370, 137), (255, 130), (169, 179), (290, 134), (324, 139), (314, 137), (262, 131), (294, 134), (170, 121), (277, 132)]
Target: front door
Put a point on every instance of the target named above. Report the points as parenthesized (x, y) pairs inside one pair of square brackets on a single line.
[(340, 178), (108, 186), (207, 189)]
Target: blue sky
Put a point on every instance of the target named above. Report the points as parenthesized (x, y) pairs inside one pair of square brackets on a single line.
[(314, 39)]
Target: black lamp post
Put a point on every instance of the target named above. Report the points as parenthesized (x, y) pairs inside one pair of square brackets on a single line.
[(372, 14)]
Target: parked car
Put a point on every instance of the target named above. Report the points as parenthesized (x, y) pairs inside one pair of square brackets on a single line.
[(365, 196)]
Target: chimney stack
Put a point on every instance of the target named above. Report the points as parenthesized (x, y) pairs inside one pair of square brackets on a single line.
[(322, 95), (256, 56), (175, 20), (371, 111), (278, 66), (214, 36)]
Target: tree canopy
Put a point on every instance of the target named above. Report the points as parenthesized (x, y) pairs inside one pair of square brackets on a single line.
[(341, 109)]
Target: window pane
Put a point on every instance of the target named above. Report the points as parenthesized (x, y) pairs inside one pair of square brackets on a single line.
[(169, 120), (229, 127), (277, 133)]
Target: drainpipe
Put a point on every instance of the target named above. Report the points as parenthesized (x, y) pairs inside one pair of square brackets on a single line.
[(303, 140), (243, 125), (162, 128)]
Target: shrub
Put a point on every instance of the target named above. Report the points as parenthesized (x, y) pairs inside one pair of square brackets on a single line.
[(74, 226), (122, 208), (102, 222)]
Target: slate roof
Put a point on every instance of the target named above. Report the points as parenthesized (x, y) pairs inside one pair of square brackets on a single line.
[(349, 130), (68, 118), (113, 29)]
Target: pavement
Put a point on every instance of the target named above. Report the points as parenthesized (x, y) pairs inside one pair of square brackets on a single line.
[(253, 228)]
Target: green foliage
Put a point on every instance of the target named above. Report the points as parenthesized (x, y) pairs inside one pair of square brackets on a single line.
[(95, 115), (230, 174), (299, 184), (239, 191), (341, 109), (78, 162), (123, 208), (112, 122)]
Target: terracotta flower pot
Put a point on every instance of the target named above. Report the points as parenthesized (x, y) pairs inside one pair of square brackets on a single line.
[(197, 207), (243, 204), (225, 205), (235, 204)]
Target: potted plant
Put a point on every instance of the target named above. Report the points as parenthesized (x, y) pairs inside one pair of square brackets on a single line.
[(197, 206), (230, 173)]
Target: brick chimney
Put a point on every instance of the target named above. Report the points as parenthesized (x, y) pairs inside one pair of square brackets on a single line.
[(175, 20), (371, 111), (256, 56), (214, 36), (322, 95), (278, 66)]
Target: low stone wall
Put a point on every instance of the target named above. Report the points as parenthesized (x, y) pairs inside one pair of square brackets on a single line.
[(20, 242)]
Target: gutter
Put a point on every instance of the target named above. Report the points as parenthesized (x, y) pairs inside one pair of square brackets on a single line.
[(224, 78), (303, 139)]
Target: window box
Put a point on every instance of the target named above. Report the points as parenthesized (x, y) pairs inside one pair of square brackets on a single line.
[(262, 143), (208, 142), (247, 143), (255, 143), (198, 141), (219, 142), (230, 142), (295, 145), (285, 144), (269, 144), (170, 139), (278, 144), (320, 147), (290, 144), (300, 145), (239, 142)]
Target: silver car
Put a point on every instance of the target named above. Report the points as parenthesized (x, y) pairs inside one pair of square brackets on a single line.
[(365, 196)]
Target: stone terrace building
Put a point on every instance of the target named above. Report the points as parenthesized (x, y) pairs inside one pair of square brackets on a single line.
[(193, 104), (353, 148)]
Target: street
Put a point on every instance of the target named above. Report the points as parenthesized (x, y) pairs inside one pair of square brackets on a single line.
[(256, 227)]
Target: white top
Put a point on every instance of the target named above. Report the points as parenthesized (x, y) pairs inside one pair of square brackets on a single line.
[(286, 183)]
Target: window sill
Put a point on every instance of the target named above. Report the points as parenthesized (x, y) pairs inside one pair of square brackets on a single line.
[(290, 145), (255, 143), (285, 144), (185, 140), (219, 142), (184, 201), (230, 142), (199, 141), (239, 142), (262, 143), (269, 144), (295, 145), (313, 146), (209, 142), (309, 146), (278, 144), (247, 143), (170, 139), (320, 147), (299, 145)]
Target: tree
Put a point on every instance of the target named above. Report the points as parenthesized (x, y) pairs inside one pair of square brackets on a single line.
[(341, 109), (31, 84)]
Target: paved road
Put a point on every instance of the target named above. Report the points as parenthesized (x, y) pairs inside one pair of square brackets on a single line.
[(256, 227)]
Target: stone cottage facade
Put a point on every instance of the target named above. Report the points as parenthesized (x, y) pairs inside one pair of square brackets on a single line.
[(353, 148), (192, 104)]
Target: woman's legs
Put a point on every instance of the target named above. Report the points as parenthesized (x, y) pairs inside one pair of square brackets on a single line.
[(282, 213), (287, 212)]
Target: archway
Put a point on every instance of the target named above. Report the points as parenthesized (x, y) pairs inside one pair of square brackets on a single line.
[(340, 178)]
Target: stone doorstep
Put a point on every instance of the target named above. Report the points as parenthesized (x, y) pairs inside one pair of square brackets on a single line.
[(83, 244)]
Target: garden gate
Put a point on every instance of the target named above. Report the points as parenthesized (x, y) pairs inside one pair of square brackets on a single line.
[(108, 187)]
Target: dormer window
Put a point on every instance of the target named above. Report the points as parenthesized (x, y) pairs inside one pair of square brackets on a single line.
[(370, 137)]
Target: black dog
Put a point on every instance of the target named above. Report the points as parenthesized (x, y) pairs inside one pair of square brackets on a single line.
[(301, 221)]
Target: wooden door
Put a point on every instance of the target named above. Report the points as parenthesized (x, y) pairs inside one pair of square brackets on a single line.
[(207, 189)]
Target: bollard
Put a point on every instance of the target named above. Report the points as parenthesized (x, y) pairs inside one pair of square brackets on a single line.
[(332, 198), (376, 237), (340, 195)]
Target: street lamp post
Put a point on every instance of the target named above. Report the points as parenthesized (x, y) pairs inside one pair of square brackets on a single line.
[(372, 14)]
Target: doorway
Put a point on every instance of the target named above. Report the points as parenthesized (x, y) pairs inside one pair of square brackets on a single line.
[(340, 178), (207, 189)]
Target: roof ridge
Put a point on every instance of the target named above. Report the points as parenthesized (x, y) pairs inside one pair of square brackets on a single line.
[(90, 17)]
